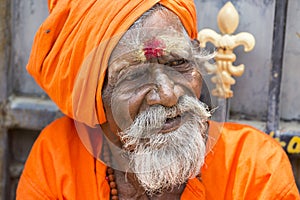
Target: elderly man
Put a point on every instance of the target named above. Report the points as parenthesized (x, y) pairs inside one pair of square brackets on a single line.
[(127, 75)]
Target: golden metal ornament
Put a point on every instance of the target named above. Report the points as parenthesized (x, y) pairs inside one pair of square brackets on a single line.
[(228, 20)]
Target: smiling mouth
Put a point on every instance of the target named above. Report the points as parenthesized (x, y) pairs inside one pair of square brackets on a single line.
[(171, 124)]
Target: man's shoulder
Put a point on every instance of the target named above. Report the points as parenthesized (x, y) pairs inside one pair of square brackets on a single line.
[(245, 143), (61, 124), (238, 136), (56, 161), (246, 134), (58, 132), (248, 162)]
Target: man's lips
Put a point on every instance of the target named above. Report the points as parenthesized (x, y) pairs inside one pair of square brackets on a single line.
[(171, 124)]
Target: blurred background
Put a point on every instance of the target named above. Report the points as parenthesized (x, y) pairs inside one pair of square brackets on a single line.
[(265, 96)]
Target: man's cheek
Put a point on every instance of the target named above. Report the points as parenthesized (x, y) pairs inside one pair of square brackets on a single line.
[(191, 85), (197, 88), (195, 83), (120, 110)]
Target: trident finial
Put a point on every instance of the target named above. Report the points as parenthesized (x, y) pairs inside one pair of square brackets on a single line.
[(228, 20)]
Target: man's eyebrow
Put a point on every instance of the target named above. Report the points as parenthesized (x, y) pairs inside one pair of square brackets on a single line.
[(185, 53), (124, 60), (178, 46)]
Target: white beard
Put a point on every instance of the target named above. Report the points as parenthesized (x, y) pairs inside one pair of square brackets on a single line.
[(164, 161)]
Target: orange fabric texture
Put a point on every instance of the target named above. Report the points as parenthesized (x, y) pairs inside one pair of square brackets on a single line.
[(244, 164), (76, 35)]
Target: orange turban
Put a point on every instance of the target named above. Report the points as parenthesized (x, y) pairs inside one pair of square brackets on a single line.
[(74, 33)]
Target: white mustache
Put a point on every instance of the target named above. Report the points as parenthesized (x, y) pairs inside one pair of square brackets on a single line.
[(148, 123)]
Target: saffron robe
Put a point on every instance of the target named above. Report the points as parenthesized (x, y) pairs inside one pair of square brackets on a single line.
[(244, 163)]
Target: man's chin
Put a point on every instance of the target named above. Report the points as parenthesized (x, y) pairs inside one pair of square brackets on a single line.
[(169, 160), (167, 176)]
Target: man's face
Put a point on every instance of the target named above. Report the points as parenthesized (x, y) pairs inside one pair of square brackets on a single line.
[(151, 102), (157, 68)]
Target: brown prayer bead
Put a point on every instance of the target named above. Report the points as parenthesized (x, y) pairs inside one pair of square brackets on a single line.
[(115, 198), (111, 177), (114, 191), (112, 184), (110, 170)]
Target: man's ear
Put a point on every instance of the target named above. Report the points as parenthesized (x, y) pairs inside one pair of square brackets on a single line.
[(205, 95), (106, 91)]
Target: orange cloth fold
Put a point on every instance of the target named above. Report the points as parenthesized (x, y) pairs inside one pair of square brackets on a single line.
[(72, 47)]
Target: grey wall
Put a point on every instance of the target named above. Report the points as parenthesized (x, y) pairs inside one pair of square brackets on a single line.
[(290, 103), (26, 18)]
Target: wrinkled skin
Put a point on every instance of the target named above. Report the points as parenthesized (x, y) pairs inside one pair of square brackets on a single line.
[(133, 85)]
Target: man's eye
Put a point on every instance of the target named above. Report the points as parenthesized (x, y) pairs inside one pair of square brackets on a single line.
[(176, 62), (131, 74)]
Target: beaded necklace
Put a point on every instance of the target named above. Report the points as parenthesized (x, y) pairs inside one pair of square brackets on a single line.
[(110, 176)]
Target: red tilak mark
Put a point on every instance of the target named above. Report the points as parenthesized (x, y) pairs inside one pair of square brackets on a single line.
[(153, 48)]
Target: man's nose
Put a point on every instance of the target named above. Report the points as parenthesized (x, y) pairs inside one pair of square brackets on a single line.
[(166, 92)]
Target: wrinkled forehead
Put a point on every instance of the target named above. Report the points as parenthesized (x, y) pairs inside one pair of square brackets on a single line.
[(162, 30)]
